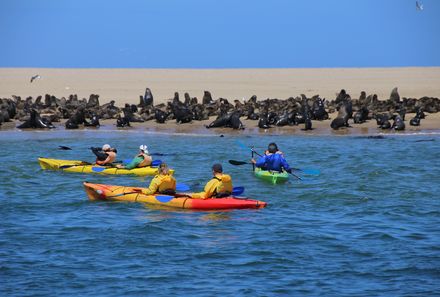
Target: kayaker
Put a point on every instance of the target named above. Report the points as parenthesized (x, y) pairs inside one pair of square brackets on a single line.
[(142, 159), (273, 160), (162, 183), (219, 186), (105, 155)]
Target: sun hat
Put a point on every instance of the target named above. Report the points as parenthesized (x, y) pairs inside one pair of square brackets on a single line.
[(144, 148), (106, 147)]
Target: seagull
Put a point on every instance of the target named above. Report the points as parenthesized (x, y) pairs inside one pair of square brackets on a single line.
[(35, 77), (419, 6)]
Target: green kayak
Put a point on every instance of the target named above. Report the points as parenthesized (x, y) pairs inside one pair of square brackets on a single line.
[(273, 177)]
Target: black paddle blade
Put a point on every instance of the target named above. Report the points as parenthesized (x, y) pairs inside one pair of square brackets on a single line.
[(235, 162), (66, 166), (72, 165), (62, 147)]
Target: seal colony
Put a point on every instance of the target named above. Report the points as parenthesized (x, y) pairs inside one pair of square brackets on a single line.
[(294, 111)]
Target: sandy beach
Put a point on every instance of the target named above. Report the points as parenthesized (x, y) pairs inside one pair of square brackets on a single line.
[(126, 85)]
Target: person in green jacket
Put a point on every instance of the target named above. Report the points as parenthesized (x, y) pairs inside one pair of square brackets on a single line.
[(142, 159)]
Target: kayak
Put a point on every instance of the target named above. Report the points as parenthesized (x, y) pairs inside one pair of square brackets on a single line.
[(273, 177), (85, 167), (134, 194)]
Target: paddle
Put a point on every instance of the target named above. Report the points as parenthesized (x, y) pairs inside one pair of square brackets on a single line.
[(183, 188), (248, 148), (155, 163), (72, 165), (160, 198), (235, 162), (167, 198), (135, 191), (308, 171), (66, 148), (237, 191)]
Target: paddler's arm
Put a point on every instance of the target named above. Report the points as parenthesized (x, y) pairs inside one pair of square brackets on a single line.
[(285, 165), (261, 161), (154, 185), (99, 153), (208, 191)]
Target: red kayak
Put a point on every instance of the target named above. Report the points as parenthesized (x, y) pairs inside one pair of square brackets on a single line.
[(134, 194)]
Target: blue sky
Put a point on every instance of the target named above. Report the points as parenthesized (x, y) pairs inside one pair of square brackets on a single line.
[(218, 33)]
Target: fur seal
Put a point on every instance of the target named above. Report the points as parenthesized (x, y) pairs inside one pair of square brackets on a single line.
[(160, 116), (342, 119), (415, 121), (122, 121), (207, 98), (220, 121), (398, 124), (318, 112), (394, 96), (148, 97), (235, 122), (263, 122), (361, 115), (181, 112), (36, 122)]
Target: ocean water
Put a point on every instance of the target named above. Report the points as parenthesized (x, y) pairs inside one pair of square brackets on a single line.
[(368, 225)]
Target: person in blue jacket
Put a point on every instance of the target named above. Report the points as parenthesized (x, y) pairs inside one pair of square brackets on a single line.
[(273, 160)]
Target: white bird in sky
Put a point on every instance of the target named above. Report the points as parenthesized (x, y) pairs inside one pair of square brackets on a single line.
[(419, 6), (35, 77)]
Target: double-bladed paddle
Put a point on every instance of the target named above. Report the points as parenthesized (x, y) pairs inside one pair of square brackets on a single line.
[(166, 198), (184, 187), (160, 198), (155, 163), (66, 148), (235, 162)]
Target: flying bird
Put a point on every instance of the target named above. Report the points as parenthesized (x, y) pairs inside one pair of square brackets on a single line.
[(35, 77), (419, 6)]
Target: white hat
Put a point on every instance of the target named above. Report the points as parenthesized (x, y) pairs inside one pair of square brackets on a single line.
[(106, 147), (144, 148)]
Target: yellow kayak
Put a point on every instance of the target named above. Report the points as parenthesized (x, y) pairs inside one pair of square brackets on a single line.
[(85, 167)]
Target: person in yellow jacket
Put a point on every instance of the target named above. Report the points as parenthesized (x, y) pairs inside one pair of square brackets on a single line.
[(219, 186), (163, 183)]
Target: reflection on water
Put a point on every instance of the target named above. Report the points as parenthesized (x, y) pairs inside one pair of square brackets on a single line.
[(216, 216)]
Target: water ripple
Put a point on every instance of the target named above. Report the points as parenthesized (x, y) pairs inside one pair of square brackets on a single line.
[(366, 226)]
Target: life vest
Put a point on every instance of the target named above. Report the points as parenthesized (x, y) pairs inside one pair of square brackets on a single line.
[(223, 187), (111, 157), (277, 152), (167, 183), (146, 161), (273, 162)]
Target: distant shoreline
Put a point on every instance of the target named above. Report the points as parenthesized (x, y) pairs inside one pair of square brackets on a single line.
[(429, 125), (126, 85), (215, 68)]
